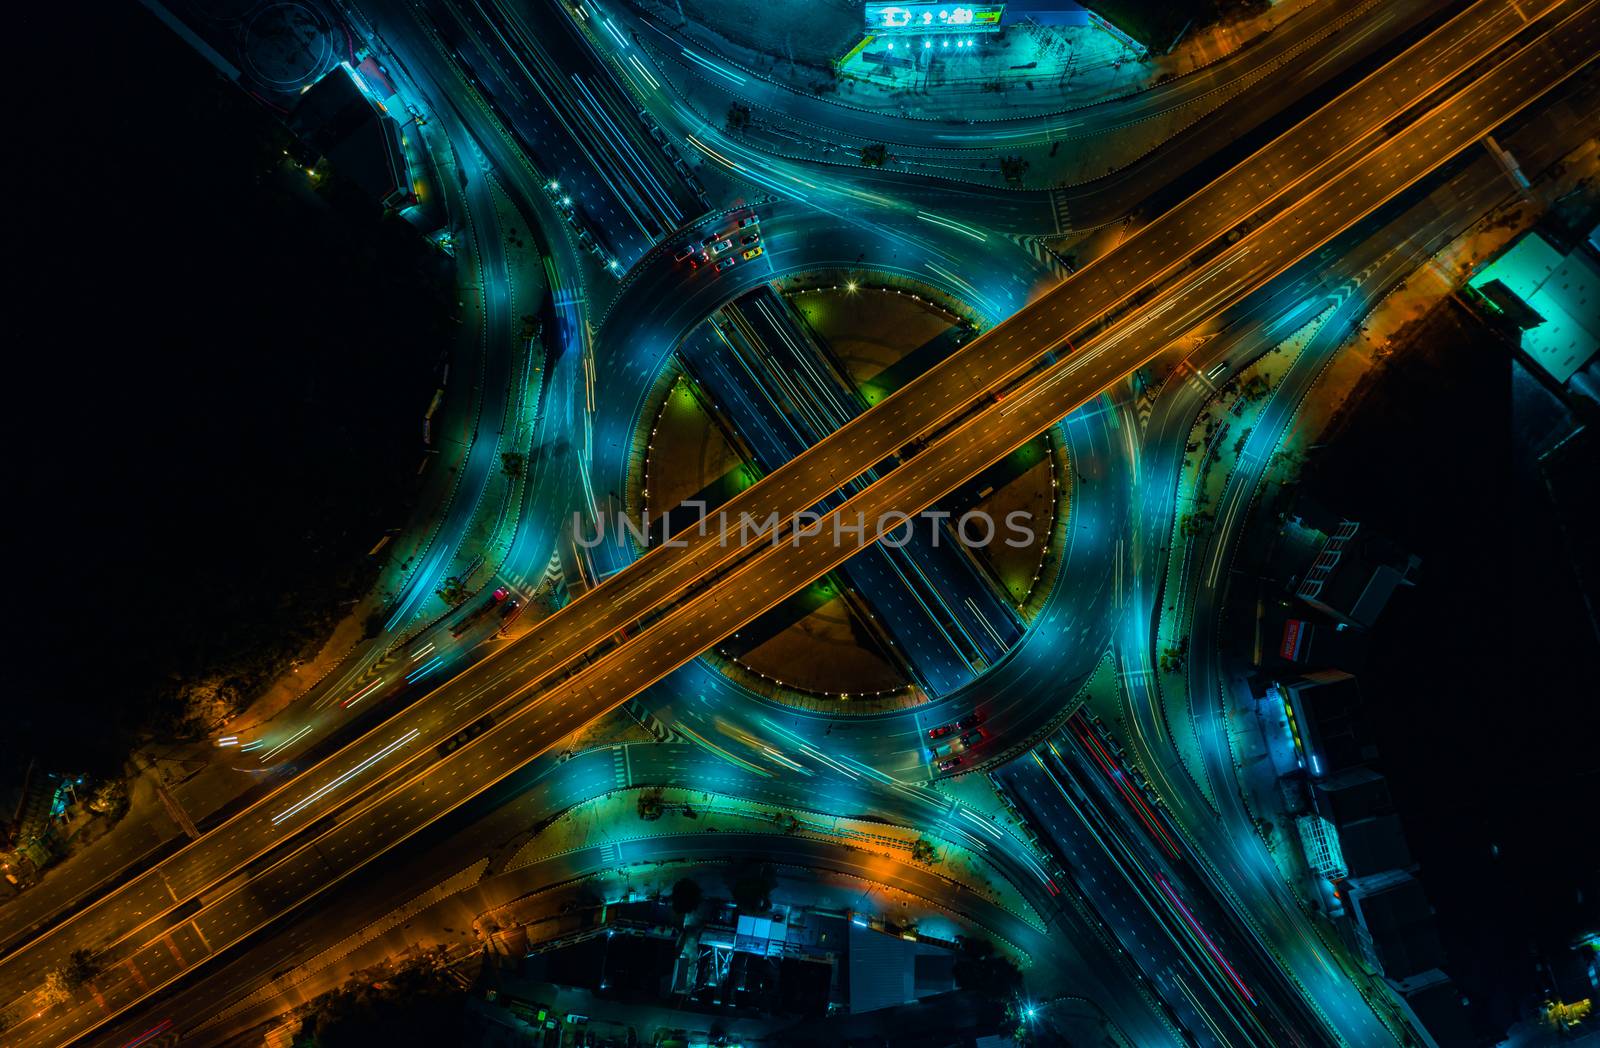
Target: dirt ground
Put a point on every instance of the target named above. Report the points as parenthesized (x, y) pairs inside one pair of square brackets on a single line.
[(689, 452), (823, 654), (821, 650)]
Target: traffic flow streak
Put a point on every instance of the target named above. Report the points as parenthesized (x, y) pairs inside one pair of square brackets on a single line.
[(543, 789), (208, 861), (932, 399), (666, 572), (383, 819), (1246, 979), (1109, 870)]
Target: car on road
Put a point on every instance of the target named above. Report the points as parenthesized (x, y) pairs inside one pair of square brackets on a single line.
[(685, 251), (971, 720), (748, 220), (755, 252), (725, 263), (941, 731), (722, 245), (973, 737), (749, 238), (949, 763)]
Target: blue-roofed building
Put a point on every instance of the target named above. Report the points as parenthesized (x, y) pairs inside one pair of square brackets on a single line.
[(1564, 290), (888, 970)]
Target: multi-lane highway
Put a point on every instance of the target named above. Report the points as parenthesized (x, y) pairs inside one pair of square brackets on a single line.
[(1020, 377)]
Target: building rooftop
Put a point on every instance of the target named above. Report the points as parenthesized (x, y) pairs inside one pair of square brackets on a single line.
[(1352, 794), (1396, 920), (1373, 845), (1323, 708), (1355, 574), (1563, 290), (341, 122), (1438, 1007), (887, 970)]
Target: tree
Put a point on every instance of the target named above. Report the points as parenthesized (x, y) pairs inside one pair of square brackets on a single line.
[(738, 117), (1255, 388), (686, 896), (81, 966), (54, 989), (752, 887), (875, 155), (512, 463), (413, 1007), (1290, 460), (650, 806), (110, 798), (1173, 656), (452, 591), (1191, 525), (923, 852), (980, 969)]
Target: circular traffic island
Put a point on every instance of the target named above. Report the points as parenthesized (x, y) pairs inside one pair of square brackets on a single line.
[(769, 375)]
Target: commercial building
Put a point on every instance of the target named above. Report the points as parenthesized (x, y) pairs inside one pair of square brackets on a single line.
[(340, 118), (1320, 840), (1536, 280), (1437, 1006), (1355, 574), (1357, 806), (1322, 712), (888, 970), (1391, 923), (1301, 640), (789, 960)]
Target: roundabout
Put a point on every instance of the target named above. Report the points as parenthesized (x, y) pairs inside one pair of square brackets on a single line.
[(830, 648), (657, 439)]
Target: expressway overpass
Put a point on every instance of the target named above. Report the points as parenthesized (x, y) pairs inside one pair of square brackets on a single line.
[(1343, 161), (780, 393)]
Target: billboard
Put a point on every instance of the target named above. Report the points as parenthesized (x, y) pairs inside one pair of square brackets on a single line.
[(1294, 639), (922, 19)]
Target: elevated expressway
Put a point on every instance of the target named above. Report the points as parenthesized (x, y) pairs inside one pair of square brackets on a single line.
[(1228, 239)]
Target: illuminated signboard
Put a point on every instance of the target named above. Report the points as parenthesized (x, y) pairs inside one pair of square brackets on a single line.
[(909, 19)]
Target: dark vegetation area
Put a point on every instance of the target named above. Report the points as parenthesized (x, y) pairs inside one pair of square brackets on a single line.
[(416, 1006), (1157, 23), (223, 375), (1478, 680)]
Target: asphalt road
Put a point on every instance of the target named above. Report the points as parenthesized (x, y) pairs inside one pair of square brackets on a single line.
[(225, 1001), (1036, 405)]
